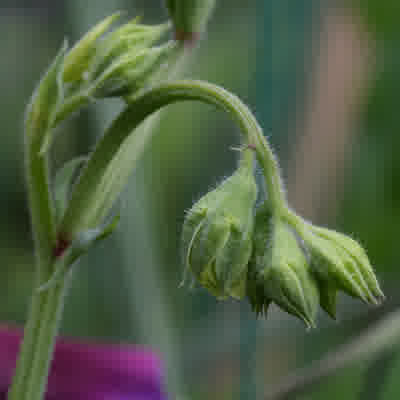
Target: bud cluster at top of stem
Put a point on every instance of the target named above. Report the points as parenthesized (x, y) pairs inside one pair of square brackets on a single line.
[(103, 64), (281, 258)]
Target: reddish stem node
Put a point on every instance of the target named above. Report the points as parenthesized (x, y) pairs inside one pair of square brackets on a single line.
[(190, 39), (61, 246)]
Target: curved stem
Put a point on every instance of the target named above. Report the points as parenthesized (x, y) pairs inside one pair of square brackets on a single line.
[(384, 335), (81, 214)]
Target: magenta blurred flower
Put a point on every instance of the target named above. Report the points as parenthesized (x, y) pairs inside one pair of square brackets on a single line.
[(90, 372)]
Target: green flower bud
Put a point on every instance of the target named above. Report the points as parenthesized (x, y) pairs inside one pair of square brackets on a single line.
[(217, 234), (121, 62), (133, 70), (79, 57), (126, 40), (279, 271), (190, 16), (340, 262)]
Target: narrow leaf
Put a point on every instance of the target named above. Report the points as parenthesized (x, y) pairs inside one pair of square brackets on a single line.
[(63, 182)]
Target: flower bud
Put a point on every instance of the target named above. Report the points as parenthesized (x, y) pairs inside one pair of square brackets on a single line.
[(217, 235), (79, 57), (117, 63), (341, 262), (128, 39), (190, 16), (132, 71), (279, 272)]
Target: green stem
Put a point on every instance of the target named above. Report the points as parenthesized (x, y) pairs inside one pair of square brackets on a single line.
[(81, 212), (53, 304), (44, 233), (26, 355), (37, 348)]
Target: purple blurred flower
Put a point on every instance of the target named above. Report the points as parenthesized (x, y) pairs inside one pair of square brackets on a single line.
[(90, 372)]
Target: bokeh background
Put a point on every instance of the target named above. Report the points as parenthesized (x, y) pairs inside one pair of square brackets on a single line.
[(322, 77)]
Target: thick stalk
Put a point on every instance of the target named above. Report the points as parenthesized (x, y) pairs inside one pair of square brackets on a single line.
[(37, 348)]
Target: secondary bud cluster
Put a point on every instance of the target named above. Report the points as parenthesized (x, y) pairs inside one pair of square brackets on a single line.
[(103, 64), (117, 63), (234, 248)]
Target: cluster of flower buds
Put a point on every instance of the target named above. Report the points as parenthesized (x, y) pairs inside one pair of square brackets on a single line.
[(119, 63), (235, 248), (104, 64)]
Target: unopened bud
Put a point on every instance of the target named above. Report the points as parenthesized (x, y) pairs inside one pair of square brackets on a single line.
[(132, 71), (79, 57), (217, 235), (279, 271), (340, 261), (117, 63)]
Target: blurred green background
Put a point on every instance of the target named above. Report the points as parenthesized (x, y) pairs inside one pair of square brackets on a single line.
[(323, 80)]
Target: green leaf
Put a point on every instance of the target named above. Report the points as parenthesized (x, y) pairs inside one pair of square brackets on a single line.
[(63, 182), (45, 100)]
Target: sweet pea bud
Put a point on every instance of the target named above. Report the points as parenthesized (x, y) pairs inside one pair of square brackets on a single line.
[(133, 70), (80, 56), (217, 235), (190, 17), (279, 271), (105, 64), (341, 263)]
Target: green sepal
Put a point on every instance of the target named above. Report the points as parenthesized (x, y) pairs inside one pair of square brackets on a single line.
[(359, 257), (63, 181), (279, 270), (129, 38), (79, 246), (328, 297), (80, 56), (340, 260), (132, 71)]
